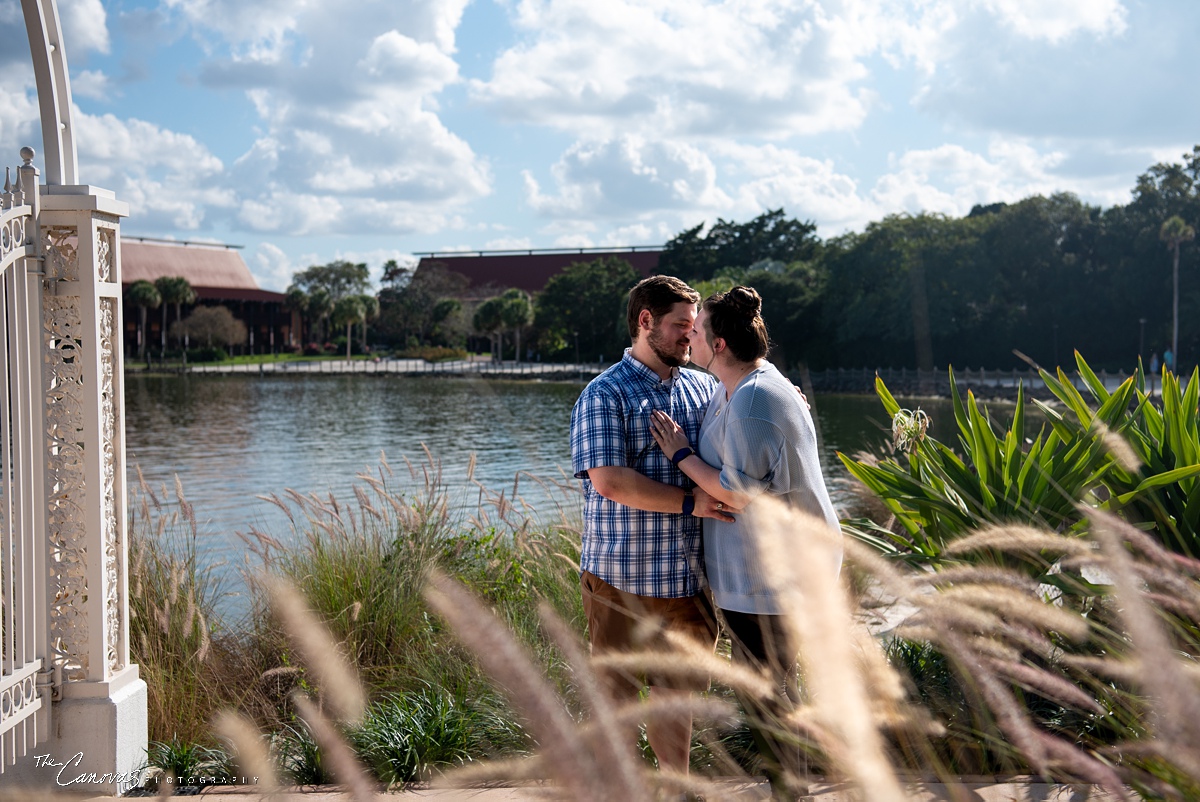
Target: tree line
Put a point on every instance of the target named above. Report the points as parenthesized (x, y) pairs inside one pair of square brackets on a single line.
[(1043, 275)]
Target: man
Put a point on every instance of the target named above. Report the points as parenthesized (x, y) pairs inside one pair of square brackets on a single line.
[(641, 523)]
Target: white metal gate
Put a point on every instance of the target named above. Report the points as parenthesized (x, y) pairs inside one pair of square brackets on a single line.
[(24, 603)]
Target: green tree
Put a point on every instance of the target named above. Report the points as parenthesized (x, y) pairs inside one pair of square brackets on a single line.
[(370, 312), (320, 306), (211, 324), (347, 312), (790, 307), (409, 303), (448, 322), (1175, 231), (489, 320), (586, 300), (770, 236), (339, 279), (296, 300), (516, 312), (176, 291), (144, 296)]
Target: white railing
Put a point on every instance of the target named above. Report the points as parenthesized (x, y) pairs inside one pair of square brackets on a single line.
[(24, 630)]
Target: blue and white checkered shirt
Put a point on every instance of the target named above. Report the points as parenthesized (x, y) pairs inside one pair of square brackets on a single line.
[(646, 553)]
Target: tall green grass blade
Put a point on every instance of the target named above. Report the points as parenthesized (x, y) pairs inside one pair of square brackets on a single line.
[(1091, 379), (1159, 480), (889, 402)]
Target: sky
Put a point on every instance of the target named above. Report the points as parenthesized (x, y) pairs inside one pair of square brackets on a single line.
[(313, 130)]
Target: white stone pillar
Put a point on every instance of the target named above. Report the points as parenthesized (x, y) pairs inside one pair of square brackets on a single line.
[(98, 719)]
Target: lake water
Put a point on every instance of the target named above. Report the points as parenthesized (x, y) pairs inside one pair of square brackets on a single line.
[(232, 439)]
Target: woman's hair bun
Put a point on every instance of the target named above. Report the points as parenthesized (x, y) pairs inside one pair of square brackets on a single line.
[(745, 300)]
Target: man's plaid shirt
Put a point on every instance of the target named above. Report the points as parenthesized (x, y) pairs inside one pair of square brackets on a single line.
[(647, 553)]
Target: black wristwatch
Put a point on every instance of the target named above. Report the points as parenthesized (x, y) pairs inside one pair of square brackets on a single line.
[(682, 454), (689, 502)]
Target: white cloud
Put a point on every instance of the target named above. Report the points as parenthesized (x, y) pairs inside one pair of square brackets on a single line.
[(508, 244), (671, 67), (352, 142), (772, 177), (92, 84), (271, 267), (18, 117), (85, 26), (421, 66), (258, 31), (1055, 21), (1076, 70), (626, 177), (648, 233), (169, 180), (950, 179)]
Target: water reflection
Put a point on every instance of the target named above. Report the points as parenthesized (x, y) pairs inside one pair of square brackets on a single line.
[(231, 439)]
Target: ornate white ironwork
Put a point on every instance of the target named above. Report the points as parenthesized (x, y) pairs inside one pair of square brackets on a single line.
[(109, 406), (65, 470), (62, 257), (104, 253), (23, 637), (18, 694)]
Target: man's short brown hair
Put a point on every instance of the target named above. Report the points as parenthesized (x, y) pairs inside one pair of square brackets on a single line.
[(658, 294)]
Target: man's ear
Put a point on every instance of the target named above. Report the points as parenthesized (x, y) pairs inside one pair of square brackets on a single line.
[(645, 320)]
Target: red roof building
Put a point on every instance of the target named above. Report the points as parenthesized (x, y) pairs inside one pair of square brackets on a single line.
[(218, 276), (529, 270)]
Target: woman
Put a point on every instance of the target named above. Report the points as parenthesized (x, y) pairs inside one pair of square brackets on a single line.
[(757, 438)]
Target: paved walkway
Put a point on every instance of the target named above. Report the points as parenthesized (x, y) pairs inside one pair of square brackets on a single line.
[(411, 367), (737, 790)]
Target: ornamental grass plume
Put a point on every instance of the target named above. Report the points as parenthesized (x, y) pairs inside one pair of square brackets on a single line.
[(802, 557), (1017, 539), (986, 625), (338, 683), (344, 766), (579, 771), (249, 749), (1175, 709)]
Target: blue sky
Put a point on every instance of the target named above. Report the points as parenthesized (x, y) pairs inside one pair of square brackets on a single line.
[(313, 130)]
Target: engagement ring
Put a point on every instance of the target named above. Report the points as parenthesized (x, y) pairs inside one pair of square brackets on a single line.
[(720, 506)]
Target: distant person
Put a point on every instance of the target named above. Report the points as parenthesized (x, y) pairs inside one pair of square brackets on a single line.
[(1169, 360), (757, 439), (1154, 362), (640, 557)]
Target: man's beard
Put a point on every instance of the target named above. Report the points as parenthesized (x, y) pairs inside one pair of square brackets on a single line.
[(658, 344)]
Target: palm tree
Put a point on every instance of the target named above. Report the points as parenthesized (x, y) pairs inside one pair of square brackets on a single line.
[(370, 312), (296, 300), (143, 295), (516, 312), (488, 320), (1175, 232), (347, 312), (177, 291), (320, 304)]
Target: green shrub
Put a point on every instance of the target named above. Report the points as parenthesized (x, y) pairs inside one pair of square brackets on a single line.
[(300, 757), (410, 736), (179, 759), (1157, 484), (938, 496), (210, 354)]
